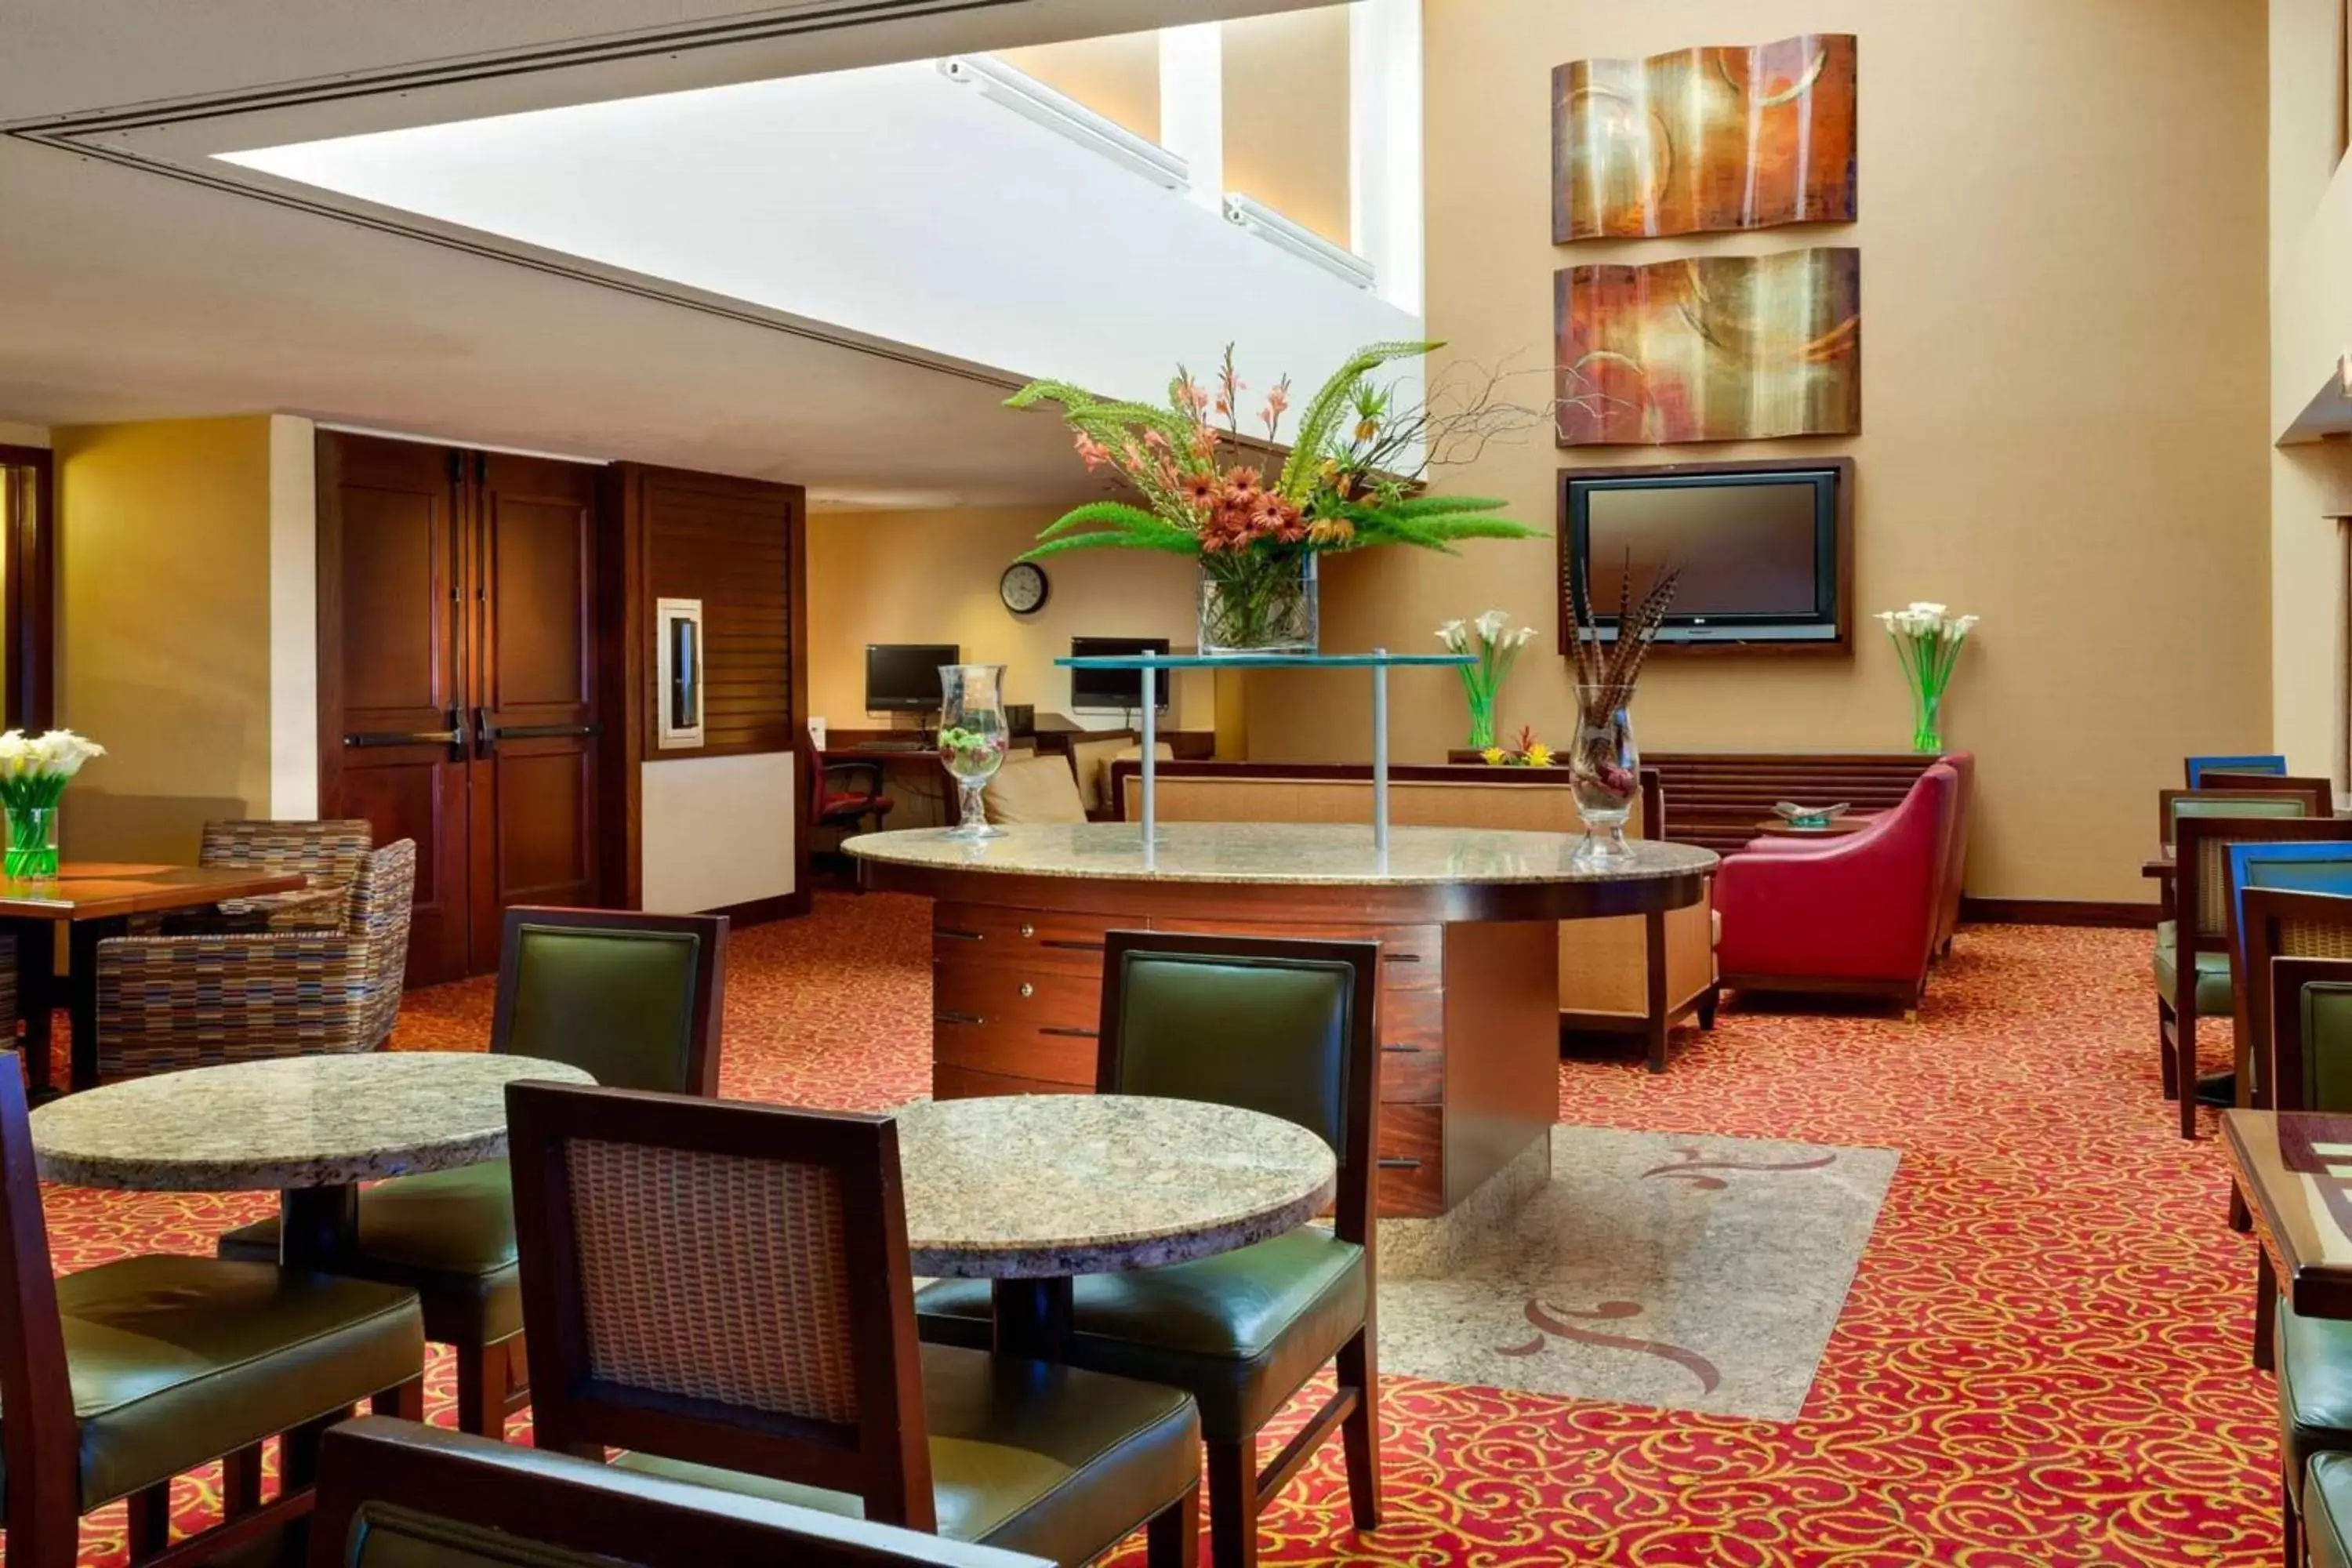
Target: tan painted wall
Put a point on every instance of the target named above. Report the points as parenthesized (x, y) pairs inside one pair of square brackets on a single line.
[(2062, 239), (1116, 77), (1287, 115), (163, 635), (931, 577), (2311, 324)]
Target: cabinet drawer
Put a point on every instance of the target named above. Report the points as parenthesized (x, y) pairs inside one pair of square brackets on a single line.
[(1411, 1075), (1034, 938), (1010, 995), (1411, 957), (1413, 1018), (965, 1083), (1412, 1158), (1017, 1051)]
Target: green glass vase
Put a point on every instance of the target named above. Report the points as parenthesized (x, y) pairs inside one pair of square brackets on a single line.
[(32, 852)]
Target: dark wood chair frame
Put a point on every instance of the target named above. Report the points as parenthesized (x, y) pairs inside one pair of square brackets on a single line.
[(2176, 1016), (2318, 795), (493, 1382), (593, 1510), (1238, 1490), (884, 1456), (40, 1439)]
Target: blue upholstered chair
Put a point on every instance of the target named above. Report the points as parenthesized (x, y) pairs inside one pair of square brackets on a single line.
[(2200, 766)]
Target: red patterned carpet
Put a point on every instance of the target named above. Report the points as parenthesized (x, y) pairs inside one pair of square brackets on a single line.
[(2043, 1361)]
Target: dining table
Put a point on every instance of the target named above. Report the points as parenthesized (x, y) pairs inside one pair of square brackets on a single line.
[(92, 901), (2294, 1168), (311, 1128), (1030, 1191)]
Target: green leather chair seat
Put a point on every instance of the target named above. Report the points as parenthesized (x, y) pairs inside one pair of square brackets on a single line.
[(174, 1360), (1240, 1331), (2315, 1387), (1045, 1459), (2214, 995), (2327, 1511), (449, 1236)]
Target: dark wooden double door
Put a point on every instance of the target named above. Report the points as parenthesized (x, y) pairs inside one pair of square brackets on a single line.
[(459, 678)]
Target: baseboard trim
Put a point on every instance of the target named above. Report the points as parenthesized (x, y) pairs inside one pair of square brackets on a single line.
[(761, 911), (2058, 912)]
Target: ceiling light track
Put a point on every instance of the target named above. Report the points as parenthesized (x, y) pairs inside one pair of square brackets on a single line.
[(1066, 117)]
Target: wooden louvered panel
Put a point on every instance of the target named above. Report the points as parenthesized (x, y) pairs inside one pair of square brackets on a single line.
[(1715, 799)]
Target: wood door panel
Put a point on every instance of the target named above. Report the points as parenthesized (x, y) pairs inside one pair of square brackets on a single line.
[(389, 664), (544, 854), (539, 578)]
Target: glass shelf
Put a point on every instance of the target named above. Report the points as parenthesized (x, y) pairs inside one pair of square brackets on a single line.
[(1375, 660)]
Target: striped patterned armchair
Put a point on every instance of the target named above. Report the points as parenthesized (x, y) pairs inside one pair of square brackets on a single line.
[(169, 1002), (330, 853)]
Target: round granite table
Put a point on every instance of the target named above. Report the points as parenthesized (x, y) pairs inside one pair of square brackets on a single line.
[(312, 1126), (1025, 1190)]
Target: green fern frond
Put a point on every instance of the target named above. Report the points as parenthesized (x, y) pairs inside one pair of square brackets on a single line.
[(1176, 541), (1329, 405), (1110, 514), (1475, 525), (1062, 392), (1440, 506)]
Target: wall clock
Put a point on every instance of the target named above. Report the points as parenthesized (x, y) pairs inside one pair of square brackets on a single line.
[(1024, 587)]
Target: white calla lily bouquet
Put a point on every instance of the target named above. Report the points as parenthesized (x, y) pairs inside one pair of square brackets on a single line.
[(1927, 640), (34, 772), (1497, 648)]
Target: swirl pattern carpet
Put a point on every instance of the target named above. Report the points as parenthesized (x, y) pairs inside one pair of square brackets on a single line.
[(2041, 1361)]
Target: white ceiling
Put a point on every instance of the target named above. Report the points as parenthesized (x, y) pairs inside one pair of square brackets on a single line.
[(139, 279)]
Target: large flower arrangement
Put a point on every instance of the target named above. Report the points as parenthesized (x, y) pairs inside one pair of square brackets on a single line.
[(1358, 447), (34, 772)]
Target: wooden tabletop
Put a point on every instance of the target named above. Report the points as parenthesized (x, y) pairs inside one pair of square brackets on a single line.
[(96, 889), (2295, 1168), (2159, 865)]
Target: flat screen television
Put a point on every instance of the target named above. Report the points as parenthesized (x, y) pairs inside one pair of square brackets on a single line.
[(1763, 547), (1116, 691), (904, 677)]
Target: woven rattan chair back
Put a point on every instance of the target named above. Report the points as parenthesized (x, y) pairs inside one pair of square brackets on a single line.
[(721, 1283), (632, 999)]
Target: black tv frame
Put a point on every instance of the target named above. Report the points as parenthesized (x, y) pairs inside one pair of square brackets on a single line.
[(1163, 687), (1822, 633), (955, 652)]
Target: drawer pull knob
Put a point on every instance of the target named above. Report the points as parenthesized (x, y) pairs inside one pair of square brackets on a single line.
[(1027, 989), (1027, 930), (1398, 1162)]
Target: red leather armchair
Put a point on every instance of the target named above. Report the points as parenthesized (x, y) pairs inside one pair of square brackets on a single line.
[(1857, 914)]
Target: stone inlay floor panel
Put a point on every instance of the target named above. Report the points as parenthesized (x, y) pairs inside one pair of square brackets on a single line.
[(1689, 1272)]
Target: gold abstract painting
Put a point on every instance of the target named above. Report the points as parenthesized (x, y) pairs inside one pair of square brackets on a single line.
[(1718, 348), (1718, 138)]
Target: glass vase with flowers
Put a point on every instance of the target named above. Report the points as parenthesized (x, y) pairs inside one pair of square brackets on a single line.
[(34, 772), (1604, 766), (1359, 449)]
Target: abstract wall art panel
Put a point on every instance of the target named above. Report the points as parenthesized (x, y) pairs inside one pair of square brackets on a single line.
[(1739, 137), (1717, 348)]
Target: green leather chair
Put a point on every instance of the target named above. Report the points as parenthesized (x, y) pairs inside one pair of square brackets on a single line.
[(395, 1494), (721, 1291), (2327, 1491), (632, 999), (120, 1377), (2192, 958), (1285, 1027)]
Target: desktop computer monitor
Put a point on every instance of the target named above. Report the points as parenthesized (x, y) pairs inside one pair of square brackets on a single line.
[(1116, 691), (904, 677)]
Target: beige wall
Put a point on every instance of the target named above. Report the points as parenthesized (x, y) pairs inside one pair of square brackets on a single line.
[(15, 434), (2311, 324), (1118, 77), (2064, 424), (163, 633), (931, 577), (1286, 94)]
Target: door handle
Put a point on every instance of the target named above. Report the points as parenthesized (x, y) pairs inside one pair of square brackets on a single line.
[(455, 736), (491, 731)]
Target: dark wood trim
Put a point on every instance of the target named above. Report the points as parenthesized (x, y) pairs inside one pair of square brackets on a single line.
[(29, 545), (1976, 910), (796, 710), (777, 906), (1842, 646), (621, 651)]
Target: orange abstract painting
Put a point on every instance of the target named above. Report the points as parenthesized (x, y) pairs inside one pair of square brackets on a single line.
[(1718, 138), (1717, 348)]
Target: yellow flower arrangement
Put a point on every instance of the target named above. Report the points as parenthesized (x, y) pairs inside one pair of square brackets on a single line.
[(1529, 752)]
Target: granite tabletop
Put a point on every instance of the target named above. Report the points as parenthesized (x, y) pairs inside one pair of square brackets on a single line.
[(1307, 853), (1032, 1186), (304, 1121)]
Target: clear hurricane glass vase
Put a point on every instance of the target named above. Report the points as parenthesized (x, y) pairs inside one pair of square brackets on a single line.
[(1604, 771), (972, 738)]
